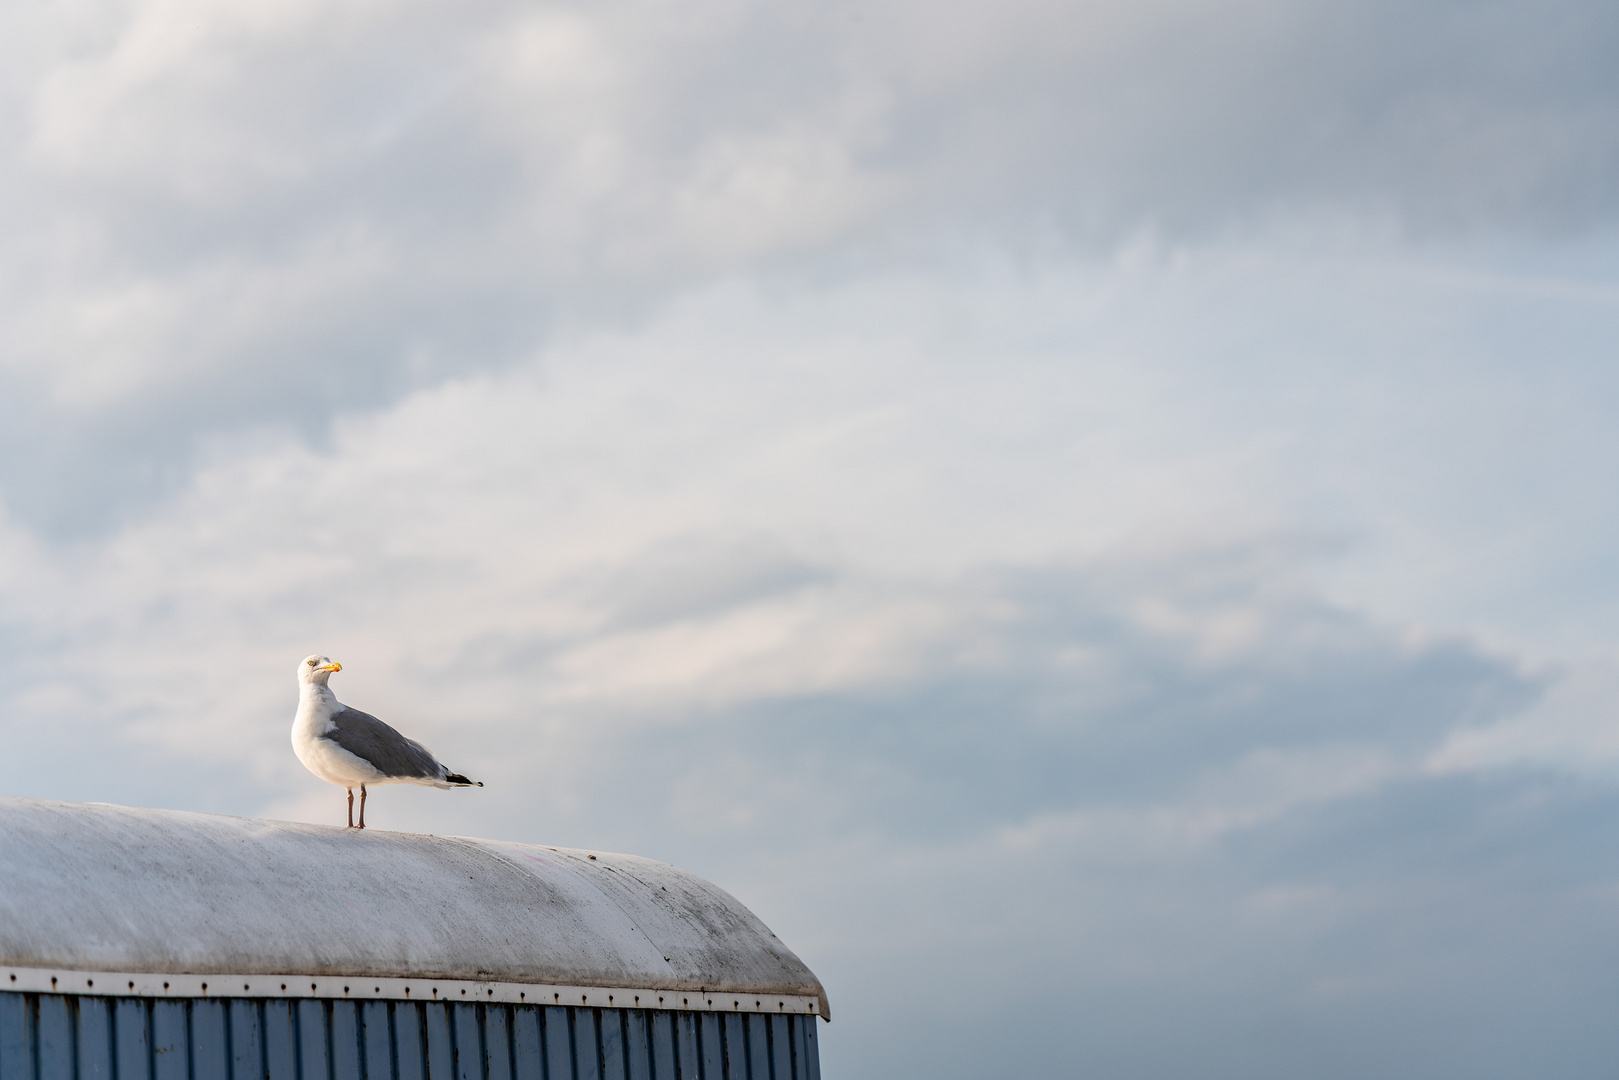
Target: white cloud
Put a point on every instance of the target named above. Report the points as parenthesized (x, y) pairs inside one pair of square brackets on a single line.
[(1574, 728), (508, 158)]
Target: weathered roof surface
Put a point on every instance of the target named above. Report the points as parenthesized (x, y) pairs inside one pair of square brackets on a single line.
[(91, 887)]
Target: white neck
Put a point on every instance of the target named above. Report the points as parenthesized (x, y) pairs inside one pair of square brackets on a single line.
[(316, 689), (316, 703)]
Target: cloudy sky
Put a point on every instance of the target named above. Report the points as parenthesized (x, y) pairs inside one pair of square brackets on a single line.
[(1095, 519)]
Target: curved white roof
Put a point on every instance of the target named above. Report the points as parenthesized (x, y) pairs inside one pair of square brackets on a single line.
[(87, 888)]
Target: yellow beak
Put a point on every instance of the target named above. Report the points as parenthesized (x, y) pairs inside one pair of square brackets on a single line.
[(333, 666)]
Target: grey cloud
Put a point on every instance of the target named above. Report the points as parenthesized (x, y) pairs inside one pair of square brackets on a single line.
[(1441, 117), (1056, 694), (693, 578), (1240, 866), (451, 128), (1411, 955), (265, 218)]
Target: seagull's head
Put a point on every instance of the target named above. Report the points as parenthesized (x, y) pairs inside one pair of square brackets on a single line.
[(317, 669)]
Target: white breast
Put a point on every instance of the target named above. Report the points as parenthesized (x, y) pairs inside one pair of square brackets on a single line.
[(322, 756)]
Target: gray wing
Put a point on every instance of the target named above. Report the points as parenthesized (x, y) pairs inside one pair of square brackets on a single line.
[(369, 739)]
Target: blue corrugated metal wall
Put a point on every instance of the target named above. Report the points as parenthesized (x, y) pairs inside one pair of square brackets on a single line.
[(59, 1037)]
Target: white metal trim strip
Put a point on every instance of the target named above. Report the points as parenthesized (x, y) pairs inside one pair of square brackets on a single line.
[(362, 988)]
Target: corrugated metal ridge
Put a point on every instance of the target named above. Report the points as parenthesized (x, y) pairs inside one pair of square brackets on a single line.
[(361, 988)]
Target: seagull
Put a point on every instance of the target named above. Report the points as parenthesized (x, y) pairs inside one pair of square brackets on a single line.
[(351, 749)]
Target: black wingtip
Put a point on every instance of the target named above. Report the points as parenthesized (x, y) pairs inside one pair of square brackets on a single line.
[(457, 778)]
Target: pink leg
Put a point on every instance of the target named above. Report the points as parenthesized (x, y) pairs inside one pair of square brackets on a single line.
[(351, 809), (362, 806)]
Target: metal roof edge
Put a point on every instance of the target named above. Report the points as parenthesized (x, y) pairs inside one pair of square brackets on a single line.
[(364, 988)]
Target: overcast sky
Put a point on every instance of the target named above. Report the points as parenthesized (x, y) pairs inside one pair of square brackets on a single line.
[(1096, 520)]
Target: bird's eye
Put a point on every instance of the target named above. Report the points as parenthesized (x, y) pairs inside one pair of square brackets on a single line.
[(311, 663)]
